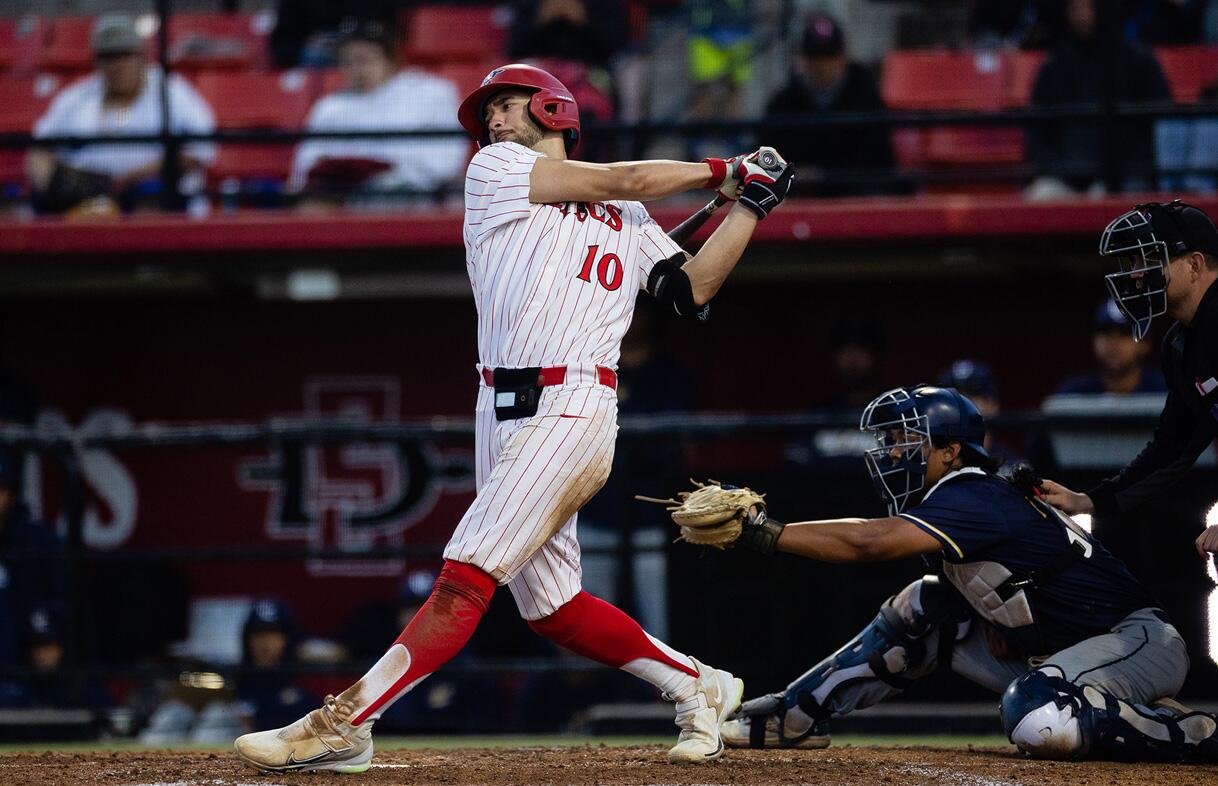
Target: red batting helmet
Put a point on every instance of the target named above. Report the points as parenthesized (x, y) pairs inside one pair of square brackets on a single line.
[(552, 105)]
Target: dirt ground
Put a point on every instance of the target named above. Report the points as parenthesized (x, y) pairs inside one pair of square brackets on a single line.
[(612, 766)]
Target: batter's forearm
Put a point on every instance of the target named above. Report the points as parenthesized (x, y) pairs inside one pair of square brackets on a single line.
[(648, 180), (711, 266), (578, 181)]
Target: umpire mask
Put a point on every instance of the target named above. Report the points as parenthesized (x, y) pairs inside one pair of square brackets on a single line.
[(1144, 241), (1139, 287), (897, 465)]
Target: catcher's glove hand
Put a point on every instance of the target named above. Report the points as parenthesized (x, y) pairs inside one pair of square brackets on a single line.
[(719, 515)]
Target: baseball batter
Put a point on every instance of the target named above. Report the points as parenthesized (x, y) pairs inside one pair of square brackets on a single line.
[(556, 251)]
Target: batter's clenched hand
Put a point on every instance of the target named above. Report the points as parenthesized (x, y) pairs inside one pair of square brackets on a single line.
[(725, 176), (766, 178), (1065, 500)]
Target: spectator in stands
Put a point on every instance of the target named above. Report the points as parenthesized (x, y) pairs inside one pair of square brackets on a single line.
[(976, 380), (42, 642), (720, 46), (1121, 362), (1076, 74), (858, 344), (590, 32), (25, 585), (575, 40), (47, 687), (269, 696), (308, 32), (122, 98), (379, 98), (824, 80)]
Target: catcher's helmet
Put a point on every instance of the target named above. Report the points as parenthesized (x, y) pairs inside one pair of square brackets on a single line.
[(1144, 241), (903, 421), (552, 105)]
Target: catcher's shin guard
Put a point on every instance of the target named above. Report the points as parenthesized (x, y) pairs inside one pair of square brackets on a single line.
[(1048, 717), (883, 660)]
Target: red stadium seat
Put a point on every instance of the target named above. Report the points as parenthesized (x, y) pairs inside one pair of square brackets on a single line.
[(466, 76), (24, 99), (440, 34), (235, 40), (1189, 70), (978, 81), (69, 48), (257, 100), (21, 41), (944, 80)]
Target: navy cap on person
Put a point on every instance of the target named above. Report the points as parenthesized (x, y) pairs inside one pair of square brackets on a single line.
[(43, 627), (416, 587), (822, 37), (269, 614), (970, 377), (372, 31)]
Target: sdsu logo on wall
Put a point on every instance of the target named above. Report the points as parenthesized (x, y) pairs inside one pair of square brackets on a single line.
[(353, 496)]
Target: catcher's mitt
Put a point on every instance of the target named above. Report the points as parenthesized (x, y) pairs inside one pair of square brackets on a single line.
[(711, 514)]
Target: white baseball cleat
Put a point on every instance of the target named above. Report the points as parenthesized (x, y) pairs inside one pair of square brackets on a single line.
[(321, 740), (700, 718)]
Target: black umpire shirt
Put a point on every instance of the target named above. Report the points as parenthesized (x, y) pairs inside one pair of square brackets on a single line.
[(1189, 422)]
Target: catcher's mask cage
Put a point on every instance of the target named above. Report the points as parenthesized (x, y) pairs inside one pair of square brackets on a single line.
[(1143, 256), (907, 420), (897, 465)]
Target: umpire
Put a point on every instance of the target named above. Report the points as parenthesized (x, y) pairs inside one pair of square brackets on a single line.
[(1167, 256)]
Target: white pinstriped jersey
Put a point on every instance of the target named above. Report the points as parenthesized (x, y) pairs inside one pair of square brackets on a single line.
[(554, 284)]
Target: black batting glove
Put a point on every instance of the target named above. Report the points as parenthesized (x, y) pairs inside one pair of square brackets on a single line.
[(762, 194)]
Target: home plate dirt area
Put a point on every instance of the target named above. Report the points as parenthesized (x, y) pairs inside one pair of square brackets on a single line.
[(601, 764)]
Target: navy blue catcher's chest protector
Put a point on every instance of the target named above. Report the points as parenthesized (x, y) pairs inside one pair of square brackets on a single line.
[(1023, 566)]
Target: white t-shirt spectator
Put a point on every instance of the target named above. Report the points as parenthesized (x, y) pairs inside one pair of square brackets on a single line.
[(78, 111), (410, 100)]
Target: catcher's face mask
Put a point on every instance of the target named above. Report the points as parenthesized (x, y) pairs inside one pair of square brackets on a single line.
[(1139, 287), (897, 464)]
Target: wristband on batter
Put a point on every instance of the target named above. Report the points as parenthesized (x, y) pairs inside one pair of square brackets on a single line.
[(760, 533), (718, 167)]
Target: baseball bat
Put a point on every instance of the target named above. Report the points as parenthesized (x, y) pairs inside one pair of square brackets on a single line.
[(686, 229)]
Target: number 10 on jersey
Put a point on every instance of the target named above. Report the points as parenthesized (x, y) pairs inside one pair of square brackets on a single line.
[(609, 270)]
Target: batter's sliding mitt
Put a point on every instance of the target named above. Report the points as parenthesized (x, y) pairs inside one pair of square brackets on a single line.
[(712, 514)]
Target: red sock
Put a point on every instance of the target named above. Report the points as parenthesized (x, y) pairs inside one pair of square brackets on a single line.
[(589, 626), (433, 637)]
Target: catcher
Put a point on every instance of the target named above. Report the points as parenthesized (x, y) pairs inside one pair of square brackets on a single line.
[(1025, 602)]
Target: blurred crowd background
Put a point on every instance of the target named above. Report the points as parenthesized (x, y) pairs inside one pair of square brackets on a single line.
[(237, 346), (1051, 97)]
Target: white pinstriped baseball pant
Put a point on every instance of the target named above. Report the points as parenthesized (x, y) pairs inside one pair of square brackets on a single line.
[(533, 476)]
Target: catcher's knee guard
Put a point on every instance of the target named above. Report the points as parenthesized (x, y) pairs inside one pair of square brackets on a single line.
[(1048, 717), (885, 658)]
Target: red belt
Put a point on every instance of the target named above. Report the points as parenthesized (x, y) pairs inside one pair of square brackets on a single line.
[(556, 375)]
